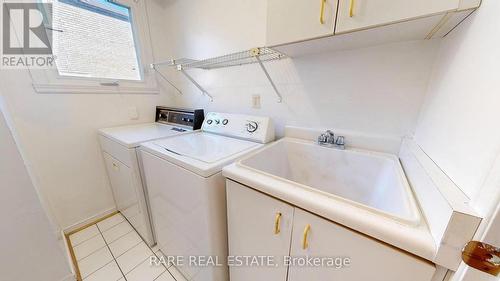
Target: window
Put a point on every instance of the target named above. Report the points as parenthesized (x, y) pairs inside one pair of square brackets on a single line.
[(95, 39)]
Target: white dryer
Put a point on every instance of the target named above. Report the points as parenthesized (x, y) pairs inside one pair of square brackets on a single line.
[(187, 190), (119, 145)]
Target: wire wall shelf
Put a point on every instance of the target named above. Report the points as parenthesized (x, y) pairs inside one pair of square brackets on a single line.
[(255, 55)]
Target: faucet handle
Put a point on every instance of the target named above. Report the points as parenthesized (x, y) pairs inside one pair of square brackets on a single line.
[(322, 138), (340, 140)]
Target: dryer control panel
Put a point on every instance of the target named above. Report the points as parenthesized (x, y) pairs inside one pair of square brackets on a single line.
[(252, 128)]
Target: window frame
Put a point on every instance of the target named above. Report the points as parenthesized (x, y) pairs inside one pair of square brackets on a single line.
[(49, 81)]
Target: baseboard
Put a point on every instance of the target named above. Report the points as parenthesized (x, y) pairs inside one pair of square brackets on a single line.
[(89, 220)]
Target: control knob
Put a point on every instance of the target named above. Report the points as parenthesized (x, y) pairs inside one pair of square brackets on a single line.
[(252, 126), (209, 121), (225, 121)]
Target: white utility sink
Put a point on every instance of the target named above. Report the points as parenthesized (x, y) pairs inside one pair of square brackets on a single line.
[(369, 180)]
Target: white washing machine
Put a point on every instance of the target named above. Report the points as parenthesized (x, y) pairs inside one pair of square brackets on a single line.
[(119, 145), (187, 190)]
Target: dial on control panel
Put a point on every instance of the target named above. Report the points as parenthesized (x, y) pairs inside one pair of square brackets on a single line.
[(252, 126)]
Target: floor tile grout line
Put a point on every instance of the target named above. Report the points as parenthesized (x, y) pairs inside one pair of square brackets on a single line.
[(113, 226), (106, 230), (165, 266), (144, 261), (117, 237), (104, 239), (140, 241), (84, 240), (135, 245), (83, 279), (154, 253), (90, 253), (72, 247), (112, 255), (99, 267), (115, 258), (141, 260), (124, 220), (168, 271)]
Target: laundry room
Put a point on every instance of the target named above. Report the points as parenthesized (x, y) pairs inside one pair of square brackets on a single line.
[(216, 140)]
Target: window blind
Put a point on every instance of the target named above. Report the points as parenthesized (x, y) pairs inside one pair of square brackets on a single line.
[(94, 39)]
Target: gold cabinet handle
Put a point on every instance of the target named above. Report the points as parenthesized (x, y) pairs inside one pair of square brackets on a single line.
[(277, 222), (304, 237), (351, 8), (322, 12)]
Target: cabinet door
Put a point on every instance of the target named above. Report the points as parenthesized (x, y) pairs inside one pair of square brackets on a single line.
[(296, 20), (371, 13), (369, 259), (122, 185), (258, 225)]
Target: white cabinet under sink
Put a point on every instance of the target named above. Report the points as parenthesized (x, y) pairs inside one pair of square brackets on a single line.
[(253, 221), (258, 226)]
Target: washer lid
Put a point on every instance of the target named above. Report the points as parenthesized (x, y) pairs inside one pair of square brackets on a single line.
[(205, 147)]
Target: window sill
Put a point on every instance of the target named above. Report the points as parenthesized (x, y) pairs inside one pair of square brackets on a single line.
[(75, 89)]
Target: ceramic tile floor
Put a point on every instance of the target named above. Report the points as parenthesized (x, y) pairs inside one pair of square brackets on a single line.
[(111, 250)]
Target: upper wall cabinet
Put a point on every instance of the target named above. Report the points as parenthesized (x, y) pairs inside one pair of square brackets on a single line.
[(365, 22), (356, 15), (297, 20)]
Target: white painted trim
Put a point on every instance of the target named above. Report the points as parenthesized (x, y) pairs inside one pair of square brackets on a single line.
[(457, 199), (89, 220), (83, 89), (450, 218), (68, 256), (440, 273), (48, 81), (468, 4), (489, 232)]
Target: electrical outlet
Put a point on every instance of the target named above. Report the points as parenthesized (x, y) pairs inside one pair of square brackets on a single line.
[(132, 113), (256, 101)]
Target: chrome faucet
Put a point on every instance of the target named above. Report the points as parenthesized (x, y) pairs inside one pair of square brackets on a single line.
[(328, 139)]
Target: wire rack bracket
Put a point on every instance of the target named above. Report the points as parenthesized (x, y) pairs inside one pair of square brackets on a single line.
[(255, 55)]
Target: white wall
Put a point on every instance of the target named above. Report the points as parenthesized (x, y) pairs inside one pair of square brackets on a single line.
[(458, 127), (29, 250), (58, 136), (375, 90)]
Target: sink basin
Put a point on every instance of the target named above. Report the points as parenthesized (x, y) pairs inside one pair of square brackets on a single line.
[(369, 180)]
